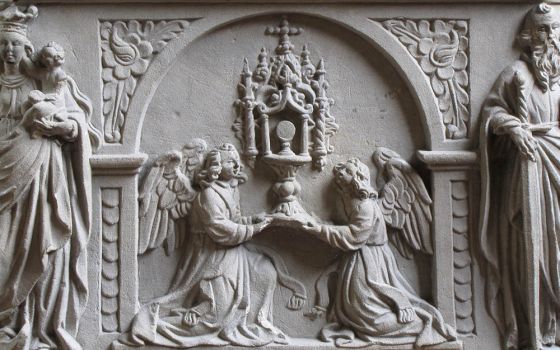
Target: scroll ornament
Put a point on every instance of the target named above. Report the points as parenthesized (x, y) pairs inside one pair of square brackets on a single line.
[(128, 48), (441, 49)]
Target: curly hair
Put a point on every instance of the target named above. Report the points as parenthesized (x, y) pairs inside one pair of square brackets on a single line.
[(212, 166), (539, 13), (211, 169), (58, 49), (360, 179)]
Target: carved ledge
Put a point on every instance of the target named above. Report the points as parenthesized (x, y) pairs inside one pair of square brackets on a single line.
[(449, 160), (117, 164), (284, 1), (307, 344)]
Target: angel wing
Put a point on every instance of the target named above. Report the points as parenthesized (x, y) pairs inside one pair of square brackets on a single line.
[(405, 203), (193, 155), (166, 196)]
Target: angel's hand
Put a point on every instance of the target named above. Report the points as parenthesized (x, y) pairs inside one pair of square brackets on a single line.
[(262, 225), (406, 315), (260, 217), (311, 226), (280, 219), (191, 319)]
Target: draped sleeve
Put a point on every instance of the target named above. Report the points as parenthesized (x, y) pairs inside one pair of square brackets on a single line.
[(354, 235), (217, 220), (500, 109), (498, 116)]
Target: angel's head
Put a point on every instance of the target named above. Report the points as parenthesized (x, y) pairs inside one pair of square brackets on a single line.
[(353, 177), (222, 163)]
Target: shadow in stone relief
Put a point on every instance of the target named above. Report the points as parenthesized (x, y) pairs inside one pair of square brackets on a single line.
[(231, 289)]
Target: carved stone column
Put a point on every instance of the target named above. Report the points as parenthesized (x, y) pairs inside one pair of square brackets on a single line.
[(452, 190), (113, 247)]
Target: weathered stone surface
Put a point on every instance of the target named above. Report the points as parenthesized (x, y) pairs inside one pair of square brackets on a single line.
[(292, 175)]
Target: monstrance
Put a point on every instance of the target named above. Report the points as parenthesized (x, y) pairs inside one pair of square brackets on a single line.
[(288, 94)]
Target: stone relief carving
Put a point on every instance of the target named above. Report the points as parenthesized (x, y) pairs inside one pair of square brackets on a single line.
[(441, 48), (45, 191), (373, 304), (110, 290), (128, 48), (462, 258), (292, 90), (200, 307), (190, 200), (519, 221), (210, 300)]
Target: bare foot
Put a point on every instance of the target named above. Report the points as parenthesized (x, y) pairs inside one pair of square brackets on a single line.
[(406, 315), (191, 319), (296, 302)]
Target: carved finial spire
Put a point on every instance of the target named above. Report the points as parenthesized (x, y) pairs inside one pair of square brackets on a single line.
[(284, 31), (263, 56), (307, 67), (321, 84), (262, 71), (321, 67), (246, 78), (245, 66), (305, 56)]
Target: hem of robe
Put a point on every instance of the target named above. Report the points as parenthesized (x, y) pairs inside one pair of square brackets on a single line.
[(149, 329)]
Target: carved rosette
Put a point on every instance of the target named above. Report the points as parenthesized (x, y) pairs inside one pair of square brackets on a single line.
[(128, 48), (111, 214), (462, 260), (441, 48)]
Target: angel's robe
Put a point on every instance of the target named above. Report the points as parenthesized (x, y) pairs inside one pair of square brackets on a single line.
[(370, 288), (45, 211), (501, 218), (228, 284)]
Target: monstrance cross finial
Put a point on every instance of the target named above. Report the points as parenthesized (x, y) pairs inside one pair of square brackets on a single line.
[(284, 31)]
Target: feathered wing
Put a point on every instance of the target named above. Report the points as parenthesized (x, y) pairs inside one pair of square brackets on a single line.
[(405, 204), (166, 196), (193, 156)]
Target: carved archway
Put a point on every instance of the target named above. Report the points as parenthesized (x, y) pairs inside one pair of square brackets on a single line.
[(381, 40), (129, 158)]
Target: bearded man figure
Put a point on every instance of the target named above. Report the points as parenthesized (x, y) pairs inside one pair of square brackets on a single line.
[(520, 125)]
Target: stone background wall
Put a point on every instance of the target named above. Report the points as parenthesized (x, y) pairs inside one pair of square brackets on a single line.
[(382, 97)]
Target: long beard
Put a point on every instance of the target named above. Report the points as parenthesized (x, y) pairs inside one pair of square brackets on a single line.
[(546, 62)]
